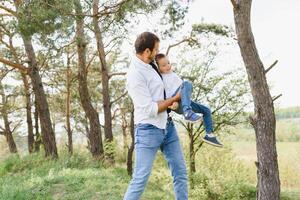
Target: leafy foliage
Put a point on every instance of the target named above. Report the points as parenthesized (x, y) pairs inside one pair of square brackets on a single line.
[(43, 17)]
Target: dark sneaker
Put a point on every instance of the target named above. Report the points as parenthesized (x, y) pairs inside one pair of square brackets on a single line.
[(212, 140), (191, 117)]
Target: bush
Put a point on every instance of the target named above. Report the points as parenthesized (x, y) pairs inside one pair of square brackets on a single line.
[(221, 177)]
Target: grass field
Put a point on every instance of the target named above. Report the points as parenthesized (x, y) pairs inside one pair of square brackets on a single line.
[(288, 158), (222, 174)]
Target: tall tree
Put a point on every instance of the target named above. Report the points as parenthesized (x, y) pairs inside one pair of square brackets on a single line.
[(68, 103), (263, 121), (105, 80), (16, 57), (131, 148), (94, 134), (48, 137), (23, 16), (6, 130), (38, 139)]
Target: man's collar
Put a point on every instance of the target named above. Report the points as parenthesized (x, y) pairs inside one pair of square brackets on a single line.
[(140, 62)]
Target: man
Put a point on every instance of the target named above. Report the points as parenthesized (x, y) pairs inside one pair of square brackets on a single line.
[(154, 129)]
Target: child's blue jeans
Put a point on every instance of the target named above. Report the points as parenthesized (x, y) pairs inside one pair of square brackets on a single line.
[(186, 103)]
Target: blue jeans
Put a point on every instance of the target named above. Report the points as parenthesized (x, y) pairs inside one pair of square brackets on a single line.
[(148, 139), (185, 104)]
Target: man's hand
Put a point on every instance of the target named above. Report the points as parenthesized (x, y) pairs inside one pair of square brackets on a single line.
[(174, 106), (177, 97), (164, 104)]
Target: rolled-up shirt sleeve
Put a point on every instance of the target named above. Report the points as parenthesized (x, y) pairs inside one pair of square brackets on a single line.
[(139, 92)]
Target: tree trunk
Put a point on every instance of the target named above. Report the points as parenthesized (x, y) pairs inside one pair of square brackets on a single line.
[(7, 131), (48, 136), (192, 156), (87, 130), (37, 133), (124, 133), (27, 98), (124, 126), (104, 81), (68, 104), (28, 114), (263, 121), (94, 136), (130, 150)]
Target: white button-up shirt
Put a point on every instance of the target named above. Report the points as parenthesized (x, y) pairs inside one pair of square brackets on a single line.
[(172, 82), (146, 88)]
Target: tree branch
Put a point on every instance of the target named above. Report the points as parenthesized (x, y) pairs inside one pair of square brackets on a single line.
[(116, 74), (273, 99), (90, 61), (176, 44), (266, 71), (8, 10), (117, 99), (199, 146), (114, 114), (17, 125), (198, 135), (6, 14), (14, 65)]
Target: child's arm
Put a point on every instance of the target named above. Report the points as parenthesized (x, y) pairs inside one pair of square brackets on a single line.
[(174, 106)]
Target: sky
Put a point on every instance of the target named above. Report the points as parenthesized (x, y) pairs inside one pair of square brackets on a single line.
[(275, 25)]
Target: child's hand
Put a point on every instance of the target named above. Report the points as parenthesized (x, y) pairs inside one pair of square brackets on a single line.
[(174, 106)]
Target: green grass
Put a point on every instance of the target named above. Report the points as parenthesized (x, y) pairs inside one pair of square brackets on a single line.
[(287, 130), (222, 174), (33, 177), (219, 176), (288, 159), (78, 177)]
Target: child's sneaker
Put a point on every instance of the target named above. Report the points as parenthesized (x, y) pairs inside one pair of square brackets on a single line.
[(191, 117), (212, 140)]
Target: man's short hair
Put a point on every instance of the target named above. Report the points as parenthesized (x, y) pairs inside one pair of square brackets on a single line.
[(145, 40)]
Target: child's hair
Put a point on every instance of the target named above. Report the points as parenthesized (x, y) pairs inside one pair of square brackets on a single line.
[(159, 56)]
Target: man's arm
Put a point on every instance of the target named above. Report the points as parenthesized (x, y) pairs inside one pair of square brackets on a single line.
[(140, 94), (164, 104)]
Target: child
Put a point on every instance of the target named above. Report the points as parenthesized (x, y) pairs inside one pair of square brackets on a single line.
[(173, 83)]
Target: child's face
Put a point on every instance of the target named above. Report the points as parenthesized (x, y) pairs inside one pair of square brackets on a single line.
[(164, 65)]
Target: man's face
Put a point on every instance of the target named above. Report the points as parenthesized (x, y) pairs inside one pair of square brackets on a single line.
[(152, 54), (164, 65)]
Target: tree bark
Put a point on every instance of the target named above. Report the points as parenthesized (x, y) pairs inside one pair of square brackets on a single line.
[(192, 154), (124, 126), (48, 136), (94, 136), (27, 98), (124, 133), (104, 81), (38, 141), (263, 121), (28, 114), (131, 148), (68, 104), (7, 131)]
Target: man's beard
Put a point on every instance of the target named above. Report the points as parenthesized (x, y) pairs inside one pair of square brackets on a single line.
[(151, 58)]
